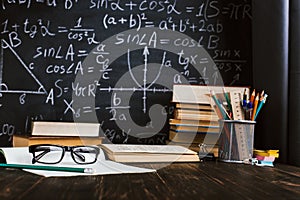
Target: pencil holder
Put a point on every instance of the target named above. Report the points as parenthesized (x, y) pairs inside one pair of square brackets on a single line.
[(236, 140)]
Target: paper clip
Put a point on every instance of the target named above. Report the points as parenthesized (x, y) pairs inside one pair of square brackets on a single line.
[(251, 161), (204, 154)]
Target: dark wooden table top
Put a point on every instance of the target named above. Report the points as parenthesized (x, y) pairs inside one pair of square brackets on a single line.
[(207, 180)]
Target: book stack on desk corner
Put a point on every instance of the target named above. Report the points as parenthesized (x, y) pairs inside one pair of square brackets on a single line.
[(194, 121), (60, 133)]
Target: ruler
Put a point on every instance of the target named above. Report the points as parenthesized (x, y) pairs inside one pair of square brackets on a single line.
[(237, 111), (243, 129)]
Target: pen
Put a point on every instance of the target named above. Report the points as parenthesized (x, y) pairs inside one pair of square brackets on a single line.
[(245, 95), (48, 168), (248, 111)]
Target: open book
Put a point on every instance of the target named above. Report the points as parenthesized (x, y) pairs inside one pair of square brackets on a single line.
[(148, 153), (20, 156)]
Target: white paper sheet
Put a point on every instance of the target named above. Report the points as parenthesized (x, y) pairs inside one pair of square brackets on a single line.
[(20, 155)]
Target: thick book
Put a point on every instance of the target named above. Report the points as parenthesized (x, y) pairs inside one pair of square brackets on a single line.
[(204, 123), (188, 137), (195, 129), (25, 140), (46, 128), (131, 153), (194, 106), (195, 112), (196, 116), (200, 94)]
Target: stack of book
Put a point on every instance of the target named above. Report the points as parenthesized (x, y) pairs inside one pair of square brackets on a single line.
[(195, 121), (60, 133)]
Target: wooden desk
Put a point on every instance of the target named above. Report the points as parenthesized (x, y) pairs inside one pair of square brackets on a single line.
[(208, 180)]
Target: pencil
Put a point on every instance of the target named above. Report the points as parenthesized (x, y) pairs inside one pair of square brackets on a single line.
[(48, 168), (262, 94), (225, 111), (252, 97), (260, 105), (254, 107), (227, 100), (213, 95)]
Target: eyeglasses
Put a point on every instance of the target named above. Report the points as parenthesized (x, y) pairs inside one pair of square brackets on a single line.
[(53, 154)]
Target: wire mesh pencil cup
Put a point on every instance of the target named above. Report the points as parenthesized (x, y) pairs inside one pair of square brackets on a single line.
[(236, 140)]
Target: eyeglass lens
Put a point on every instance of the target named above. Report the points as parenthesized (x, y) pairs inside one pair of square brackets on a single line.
[(48, 154), (84, 155)]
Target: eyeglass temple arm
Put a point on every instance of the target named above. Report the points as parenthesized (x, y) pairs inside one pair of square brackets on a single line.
[(37, 157)]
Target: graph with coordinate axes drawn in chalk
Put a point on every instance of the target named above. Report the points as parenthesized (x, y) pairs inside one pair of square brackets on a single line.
[(142, 86)]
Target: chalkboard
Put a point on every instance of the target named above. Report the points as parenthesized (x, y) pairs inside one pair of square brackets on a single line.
[(115, 61)]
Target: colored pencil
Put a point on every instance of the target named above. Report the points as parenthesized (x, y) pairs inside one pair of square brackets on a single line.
[(255, 107), (261, 103), (252, 97)]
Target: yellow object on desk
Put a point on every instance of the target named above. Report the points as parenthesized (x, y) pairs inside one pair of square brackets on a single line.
[(274, 153)]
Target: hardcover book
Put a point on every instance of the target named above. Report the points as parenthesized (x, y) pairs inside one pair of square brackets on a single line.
[(46, 128), (149, 153), (25, 140)]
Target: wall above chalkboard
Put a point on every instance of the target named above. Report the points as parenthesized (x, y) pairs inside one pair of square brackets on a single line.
[(115, 62)]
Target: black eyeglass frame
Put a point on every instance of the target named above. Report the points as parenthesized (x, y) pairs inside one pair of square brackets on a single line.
[(32, 149)]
